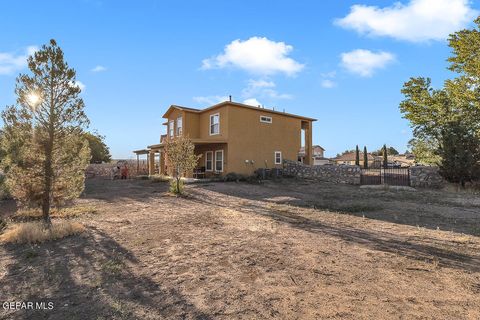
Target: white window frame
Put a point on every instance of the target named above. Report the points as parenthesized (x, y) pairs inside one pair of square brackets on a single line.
[(212, 116), (215, 160), (265, 120), (179, 128), (275, 157), (171, 129), (211, 161)]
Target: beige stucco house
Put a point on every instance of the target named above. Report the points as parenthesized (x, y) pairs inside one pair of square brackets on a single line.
[(234, 137)]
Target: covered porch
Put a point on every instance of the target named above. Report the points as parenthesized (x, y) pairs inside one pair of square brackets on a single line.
[(212, 159)]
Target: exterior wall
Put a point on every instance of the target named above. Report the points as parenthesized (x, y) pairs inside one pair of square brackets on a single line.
[(337, 174), (204, 124), (203, 148), (425, 177), (191, 125), (252, 140), (174, 116)]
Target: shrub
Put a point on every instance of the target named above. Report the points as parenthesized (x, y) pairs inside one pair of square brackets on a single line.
[(232, 176), (35, 232), (70, 212), (173, 186)]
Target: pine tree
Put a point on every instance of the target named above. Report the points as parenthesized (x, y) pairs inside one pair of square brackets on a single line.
[(365, 157), (357, 156), (45, 151)]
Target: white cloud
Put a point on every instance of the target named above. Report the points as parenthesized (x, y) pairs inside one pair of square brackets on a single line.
[(10, 63), (365, 62), (327, 81), (417, 21), (99, 69), (210, 100), (263, 88), (328, 84), (252, 102), (256, 55)]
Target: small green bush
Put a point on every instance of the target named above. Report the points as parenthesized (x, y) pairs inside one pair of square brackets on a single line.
[(232, 176), (173, 186)]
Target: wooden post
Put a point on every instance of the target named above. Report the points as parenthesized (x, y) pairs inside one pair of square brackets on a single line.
[(162, 162), (151, 163)]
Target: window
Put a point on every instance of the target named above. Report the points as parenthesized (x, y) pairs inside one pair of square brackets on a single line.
[(179, 126), (265, 119), (219, 161), (209, 161), (214, 124), (278, 157), (170, 128)]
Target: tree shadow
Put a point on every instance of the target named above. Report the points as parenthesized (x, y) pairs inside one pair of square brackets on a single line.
[(87, 277), (114, 190), (417, 249), (399, 207)]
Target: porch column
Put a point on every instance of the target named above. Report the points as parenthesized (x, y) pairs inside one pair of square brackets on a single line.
[(162, 162), (151, 163), (307, 127)]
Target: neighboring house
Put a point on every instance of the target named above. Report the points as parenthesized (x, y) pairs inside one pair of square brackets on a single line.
[(234, 137), (349, 159), (317, 156)]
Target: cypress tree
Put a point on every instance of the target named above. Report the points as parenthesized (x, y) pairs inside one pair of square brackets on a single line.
[(385, 156), (357, 156), (365, 157)]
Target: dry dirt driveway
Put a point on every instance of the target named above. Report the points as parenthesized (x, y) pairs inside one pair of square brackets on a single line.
[(281, 250)]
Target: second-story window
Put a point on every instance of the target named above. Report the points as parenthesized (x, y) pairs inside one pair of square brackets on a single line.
[(170, 128), (179, 126), (214, 124)]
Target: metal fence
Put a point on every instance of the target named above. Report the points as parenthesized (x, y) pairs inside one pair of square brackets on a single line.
[(390, 176)]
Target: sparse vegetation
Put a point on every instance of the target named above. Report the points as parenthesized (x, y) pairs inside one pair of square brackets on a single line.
[(159, 178), (36, 232), (181, 157), (176, 186), (68, 212)]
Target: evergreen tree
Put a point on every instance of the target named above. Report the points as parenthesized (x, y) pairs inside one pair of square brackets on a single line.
[(357, 156), (385, 156), (365, 157), (45, 152), (460, 154), (98, 149)]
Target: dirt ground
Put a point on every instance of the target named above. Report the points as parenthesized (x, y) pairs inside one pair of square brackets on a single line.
[(279, 250)]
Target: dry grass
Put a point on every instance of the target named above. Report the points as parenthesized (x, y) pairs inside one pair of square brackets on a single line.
[(69, 212), (34, 232)]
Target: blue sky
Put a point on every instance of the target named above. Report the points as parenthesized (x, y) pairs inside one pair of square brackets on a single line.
[(342, 62)]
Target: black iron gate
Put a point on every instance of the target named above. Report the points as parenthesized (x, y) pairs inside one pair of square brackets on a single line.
[(390, 176)]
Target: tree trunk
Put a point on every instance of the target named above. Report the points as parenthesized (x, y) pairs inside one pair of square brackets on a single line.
[(48, 185), (178, 182)]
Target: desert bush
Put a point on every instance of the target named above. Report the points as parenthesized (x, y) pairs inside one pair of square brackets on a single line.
[(35, 232), (69, 212), (143, 177), (232, 176), (176, 189)]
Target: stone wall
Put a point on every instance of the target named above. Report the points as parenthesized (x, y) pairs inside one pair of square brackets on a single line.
[(425, 177), (337, 174)]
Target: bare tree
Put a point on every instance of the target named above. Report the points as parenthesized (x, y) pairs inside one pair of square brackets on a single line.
[(181, 157)]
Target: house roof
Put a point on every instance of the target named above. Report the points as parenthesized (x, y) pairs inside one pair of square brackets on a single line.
[(236, 104), (350, 156)]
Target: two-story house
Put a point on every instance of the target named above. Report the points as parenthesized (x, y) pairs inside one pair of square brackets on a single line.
[(234, 137)]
